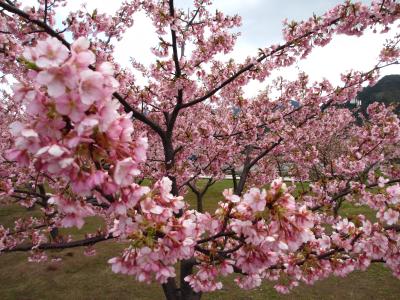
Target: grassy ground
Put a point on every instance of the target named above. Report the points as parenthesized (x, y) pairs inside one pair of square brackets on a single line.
[(81, 277)]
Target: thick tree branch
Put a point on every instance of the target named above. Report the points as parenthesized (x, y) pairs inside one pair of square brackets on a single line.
[(178, 71), (45, 11)]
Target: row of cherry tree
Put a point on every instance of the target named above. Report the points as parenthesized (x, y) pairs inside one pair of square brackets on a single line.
[(79, 135)]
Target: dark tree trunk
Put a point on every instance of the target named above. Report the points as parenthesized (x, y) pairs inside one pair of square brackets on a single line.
[(187, 292), (170, 290), (199, 203), (242, 181), (169, 157), (234, 178)]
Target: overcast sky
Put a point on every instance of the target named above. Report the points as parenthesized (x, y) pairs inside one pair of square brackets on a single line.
[(261, 26)]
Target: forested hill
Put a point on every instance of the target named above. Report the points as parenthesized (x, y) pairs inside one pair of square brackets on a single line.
[(386, 90)]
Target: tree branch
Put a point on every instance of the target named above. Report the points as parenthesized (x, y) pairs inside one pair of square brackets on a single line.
[(45, 11), (74, 244), (251, 65)]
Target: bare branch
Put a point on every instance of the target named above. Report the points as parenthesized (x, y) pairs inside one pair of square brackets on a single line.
[(74, 244)]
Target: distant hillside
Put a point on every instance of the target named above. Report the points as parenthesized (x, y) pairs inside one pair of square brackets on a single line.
[(386, 90)]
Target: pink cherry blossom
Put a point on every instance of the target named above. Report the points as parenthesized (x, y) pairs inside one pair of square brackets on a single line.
[(71, 106), (391, 216), (48, 53), (125, 171), (90, 87)]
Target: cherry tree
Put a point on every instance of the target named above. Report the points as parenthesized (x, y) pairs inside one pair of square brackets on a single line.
[(79, 134)]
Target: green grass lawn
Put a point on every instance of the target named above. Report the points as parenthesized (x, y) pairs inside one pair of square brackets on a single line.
[(81, 277)]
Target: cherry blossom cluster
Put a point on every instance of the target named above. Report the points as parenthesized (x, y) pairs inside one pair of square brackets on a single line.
[(159, 239), (75, 131), (261, 227), (255, 232)]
